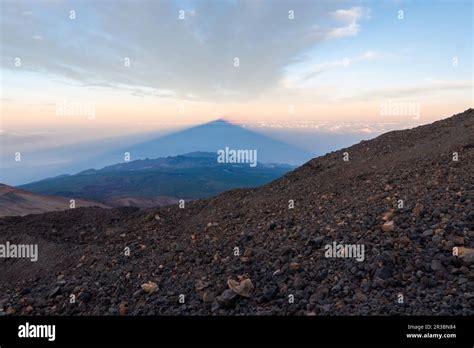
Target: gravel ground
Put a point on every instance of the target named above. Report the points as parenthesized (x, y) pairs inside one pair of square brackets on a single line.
[(400, 196)]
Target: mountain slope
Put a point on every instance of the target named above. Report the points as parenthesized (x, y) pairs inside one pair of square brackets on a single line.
[(16, 202), (211, 137), (208, 137), (161, 181), (401, 196)]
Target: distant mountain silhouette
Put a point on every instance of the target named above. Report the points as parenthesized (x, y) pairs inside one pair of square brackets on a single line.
[(208, 137), (211, 137)]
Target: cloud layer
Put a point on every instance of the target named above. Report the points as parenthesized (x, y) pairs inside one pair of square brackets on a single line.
[(174, 49)]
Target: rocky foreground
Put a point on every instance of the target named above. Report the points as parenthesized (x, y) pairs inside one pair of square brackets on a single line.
[(406, 196)]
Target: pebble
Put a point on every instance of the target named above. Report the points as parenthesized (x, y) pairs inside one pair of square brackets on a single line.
[(417, 211), (149, 287), (388, 226), (243, 287), (55, 292), (227, 298), (436, 265), (427, 233), (123, 308), (85, 296)]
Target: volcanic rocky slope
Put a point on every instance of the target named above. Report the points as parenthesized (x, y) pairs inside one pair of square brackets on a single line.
[(402, 195)]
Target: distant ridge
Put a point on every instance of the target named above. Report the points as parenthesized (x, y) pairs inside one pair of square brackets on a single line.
[(17, 202), (160, 181)]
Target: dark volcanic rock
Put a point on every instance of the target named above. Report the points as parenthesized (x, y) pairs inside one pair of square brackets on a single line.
[(407, 179), (227, 298)]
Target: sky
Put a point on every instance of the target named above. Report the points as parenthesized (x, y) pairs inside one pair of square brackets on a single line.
[(76, 70)]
